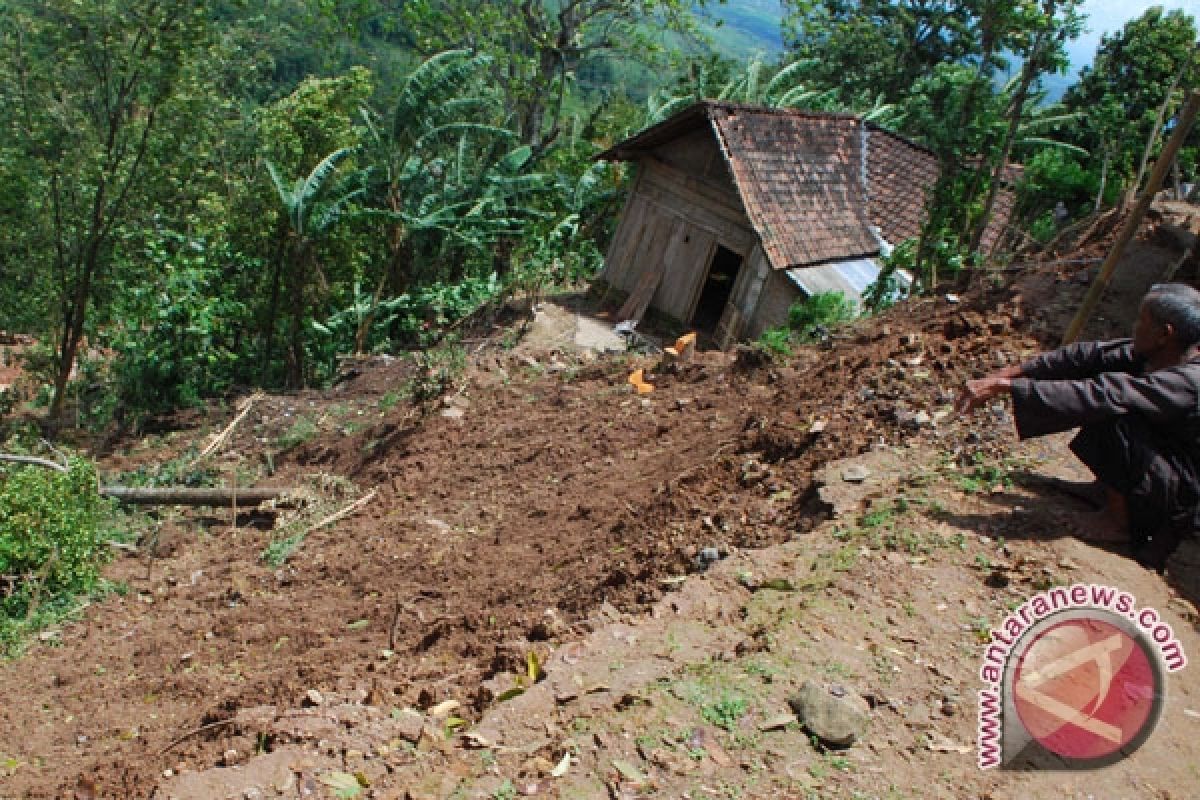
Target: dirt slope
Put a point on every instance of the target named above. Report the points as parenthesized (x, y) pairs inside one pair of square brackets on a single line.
[(542, 502)]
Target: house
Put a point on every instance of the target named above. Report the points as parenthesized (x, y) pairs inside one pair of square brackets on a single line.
[(738, 211)]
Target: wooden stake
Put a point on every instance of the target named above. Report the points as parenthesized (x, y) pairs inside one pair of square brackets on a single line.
[(1186, 118)]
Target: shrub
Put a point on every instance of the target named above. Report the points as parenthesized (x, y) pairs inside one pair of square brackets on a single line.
[(776, 341), (51, 543), (824, 309)]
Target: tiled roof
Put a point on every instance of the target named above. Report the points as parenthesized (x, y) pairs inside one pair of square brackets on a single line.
[(801, 177), (899, 173)]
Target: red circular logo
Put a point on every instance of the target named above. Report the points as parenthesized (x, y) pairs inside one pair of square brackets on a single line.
[(1085, 688)]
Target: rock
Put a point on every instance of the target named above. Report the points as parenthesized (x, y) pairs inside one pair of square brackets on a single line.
[(918, 715), (229, 758), (836, 721), (313, 698), (855, 473), (408, 724), (453, 413)]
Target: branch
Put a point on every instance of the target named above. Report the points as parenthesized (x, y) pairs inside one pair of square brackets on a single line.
[(34, 461)]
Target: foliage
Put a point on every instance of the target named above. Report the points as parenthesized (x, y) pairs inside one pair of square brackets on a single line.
[(891, 285), (1130, 77), (820, 311), (1050, 178), (88, 85), (51, 542), (776, 341), (176, 338)]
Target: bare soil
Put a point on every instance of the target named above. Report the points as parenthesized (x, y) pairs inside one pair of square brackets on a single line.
[(540, 507)]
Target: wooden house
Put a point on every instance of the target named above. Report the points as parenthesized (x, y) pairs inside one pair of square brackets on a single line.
[(738, 211)]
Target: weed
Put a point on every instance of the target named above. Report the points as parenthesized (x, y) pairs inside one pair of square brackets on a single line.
[(280, 550), (776, 342), (840, 763), (844, 558), (302, 430), (506, 791), (390, 400), (726, 712), (835, 669)]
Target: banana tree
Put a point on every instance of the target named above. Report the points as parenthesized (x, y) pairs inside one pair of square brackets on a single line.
[(313, 206)]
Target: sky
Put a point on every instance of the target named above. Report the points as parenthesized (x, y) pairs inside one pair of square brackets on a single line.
[(1107, 16)]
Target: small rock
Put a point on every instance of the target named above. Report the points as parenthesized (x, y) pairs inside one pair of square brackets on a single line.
[(818, 426), (408, 724), (855, 473), (313, 698), (952, 299), (918, 715), (229, 758), (708, 555), (252, 794), (778, 722), (836, 721), (454, 413)]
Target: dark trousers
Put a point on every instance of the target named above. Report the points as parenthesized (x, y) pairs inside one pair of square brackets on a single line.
[(1158, 482)]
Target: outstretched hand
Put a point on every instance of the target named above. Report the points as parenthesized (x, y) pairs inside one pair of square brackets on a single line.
[(977, 392)]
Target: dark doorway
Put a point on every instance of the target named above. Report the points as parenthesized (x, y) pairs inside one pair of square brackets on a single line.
[(718, 286)]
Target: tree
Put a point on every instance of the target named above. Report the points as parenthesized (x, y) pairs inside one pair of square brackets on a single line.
[(538, 47), (313, 205), (1130, 80), (86, 83), (869, 47)]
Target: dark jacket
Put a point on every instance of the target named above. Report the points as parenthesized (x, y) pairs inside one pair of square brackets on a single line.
[(1092, 382)]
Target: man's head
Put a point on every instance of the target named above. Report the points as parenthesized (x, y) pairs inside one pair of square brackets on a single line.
[(1169, 321)]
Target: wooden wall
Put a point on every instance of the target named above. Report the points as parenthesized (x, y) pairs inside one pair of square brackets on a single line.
[(673, 222), (772, 310)]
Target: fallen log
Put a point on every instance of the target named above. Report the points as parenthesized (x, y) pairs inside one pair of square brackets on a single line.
[(174, 496)]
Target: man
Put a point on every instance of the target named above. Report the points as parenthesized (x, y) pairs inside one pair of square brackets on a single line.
[(1137, 403)]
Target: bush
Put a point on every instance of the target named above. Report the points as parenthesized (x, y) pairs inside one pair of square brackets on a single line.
[(776, 341), (51, 543), (821, 310)]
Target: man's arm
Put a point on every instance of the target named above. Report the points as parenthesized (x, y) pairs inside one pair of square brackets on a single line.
[(1071, 362), (1083, 360), (1162, 396)]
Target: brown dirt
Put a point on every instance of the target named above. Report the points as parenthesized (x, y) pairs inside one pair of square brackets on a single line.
[(539, 494)]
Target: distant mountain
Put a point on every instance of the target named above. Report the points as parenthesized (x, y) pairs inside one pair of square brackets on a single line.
[(746, 27)]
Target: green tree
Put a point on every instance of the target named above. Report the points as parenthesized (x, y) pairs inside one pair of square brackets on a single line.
[(539, 47), (313, 206), (85, 84), (1137, 71)]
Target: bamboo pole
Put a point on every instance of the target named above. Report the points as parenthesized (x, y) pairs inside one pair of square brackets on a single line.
[(1186, 118)]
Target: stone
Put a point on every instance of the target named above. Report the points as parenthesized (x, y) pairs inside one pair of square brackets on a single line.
[(855, 473), (838, 721), (407, 724), (313, 698)]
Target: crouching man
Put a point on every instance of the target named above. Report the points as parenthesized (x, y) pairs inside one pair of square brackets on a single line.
[(1137, 405)]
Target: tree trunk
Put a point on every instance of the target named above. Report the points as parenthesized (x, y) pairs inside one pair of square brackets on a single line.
[(1029, 73), (220, 496)]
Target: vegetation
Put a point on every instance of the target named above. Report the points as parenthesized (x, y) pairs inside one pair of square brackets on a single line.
[(52, 543), (217, 195)]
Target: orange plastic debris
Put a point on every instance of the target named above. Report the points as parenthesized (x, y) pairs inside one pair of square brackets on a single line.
[(636, 380)]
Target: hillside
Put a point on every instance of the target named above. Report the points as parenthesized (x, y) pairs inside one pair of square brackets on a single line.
[(555, 587)]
